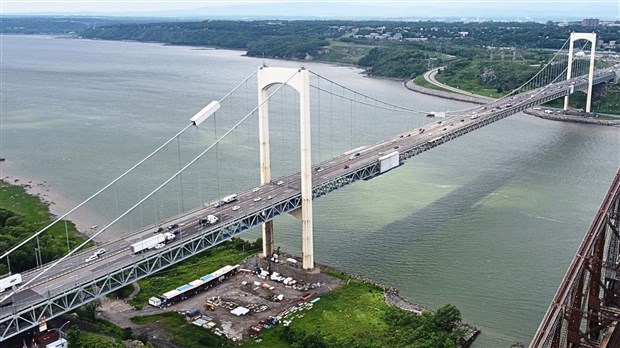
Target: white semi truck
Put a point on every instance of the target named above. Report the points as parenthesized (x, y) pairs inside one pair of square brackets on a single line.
[(151, 242), (209, 220)]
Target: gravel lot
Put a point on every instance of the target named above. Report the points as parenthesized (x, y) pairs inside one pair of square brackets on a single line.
[(227, 296)]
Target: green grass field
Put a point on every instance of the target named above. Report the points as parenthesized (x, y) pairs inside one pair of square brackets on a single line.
[(187, 271), (421, 81)]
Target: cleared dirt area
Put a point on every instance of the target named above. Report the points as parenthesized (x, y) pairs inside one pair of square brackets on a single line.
[(245, 289)]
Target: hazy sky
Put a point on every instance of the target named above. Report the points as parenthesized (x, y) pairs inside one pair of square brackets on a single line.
[(582, 8)]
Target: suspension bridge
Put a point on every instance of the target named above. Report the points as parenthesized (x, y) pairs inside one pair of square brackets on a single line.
[(348, 151)]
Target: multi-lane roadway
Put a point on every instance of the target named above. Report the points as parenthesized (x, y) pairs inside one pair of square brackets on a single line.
[(75, 271)]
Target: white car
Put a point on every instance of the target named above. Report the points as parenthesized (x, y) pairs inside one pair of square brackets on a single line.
[(160, 245), (257, 199), (256, 189), (91, 258), (269, 197), (100, 252), (236, 207), (280, 183)]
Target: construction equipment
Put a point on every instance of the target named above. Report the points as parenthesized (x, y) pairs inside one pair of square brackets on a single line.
[(210, 306)]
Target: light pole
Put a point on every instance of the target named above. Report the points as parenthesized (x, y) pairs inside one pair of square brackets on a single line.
[(36, 256), (63, 325)]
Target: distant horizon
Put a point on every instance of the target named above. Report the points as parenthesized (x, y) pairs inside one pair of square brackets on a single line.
[(453, 10)]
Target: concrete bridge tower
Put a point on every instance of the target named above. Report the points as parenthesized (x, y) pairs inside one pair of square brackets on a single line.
[(299, 79), (592, 38)]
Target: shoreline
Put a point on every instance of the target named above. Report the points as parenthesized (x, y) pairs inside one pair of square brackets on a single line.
[(57, 202), (392, 297)]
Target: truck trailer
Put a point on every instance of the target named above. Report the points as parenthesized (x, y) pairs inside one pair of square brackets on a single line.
[(10, 281), (148, 243), (229, 198)]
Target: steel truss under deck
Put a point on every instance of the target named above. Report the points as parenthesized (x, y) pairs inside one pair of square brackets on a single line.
[(585, 311), (57, 304)]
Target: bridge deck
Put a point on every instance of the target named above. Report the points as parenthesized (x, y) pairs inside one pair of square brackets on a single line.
[(75, 282)]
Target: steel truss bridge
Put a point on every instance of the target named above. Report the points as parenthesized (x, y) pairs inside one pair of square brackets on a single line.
[(585, 311), (39, 302)]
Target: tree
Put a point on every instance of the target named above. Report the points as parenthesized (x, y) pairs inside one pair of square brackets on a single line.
[(447, 318), (74, 337), (90, 309)]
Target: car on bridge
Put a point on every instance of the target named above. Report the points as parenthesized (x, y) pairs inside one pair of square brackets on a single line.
[(100, 252), (91, 258)]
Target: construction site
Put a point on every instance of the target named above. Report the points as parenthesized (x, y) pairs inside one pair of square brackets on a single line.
[(260, 294)]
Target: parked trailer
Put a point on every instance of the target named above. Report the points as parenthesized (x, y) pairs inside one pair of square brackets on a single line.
[(188, 290), (148, 243), (10, 281)]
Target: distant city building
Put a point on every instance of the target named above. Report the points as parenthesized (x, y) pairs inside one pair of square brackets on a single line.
[(590, 22)]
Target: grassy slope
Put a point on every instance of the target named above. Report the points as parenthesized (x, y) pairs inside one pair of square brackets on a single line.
[(35, 212), (421, 81), (344, 52), (610, 104), (469, 86)]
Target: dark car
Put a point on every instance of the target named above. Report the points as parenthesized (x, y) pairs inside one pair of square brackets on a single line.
[(6, 303)]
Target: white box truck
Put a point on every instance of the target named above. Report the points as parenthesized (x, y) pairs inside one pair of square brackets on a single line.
[(148, 243), (10, 281), (229, 198), (155, 301)]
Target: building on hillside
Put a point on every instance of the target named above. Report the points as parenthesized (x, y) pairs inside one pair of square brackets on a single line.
[(590, 22)]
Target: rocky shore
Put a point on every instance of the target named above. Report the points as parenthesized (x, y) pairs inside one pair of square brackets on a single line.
[(568, 117)]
